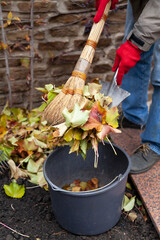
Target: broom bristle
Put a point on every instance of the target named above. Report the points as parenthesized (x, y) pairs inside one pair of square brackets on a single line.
[(53, 112)]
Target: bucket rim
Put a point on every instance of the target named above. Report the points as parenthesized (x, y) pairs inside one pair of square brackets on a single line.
[(90, 192)]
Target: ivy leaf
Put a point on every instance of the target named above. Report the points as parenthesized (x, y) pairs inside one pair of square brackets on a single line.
[(77, 117), (14, 190)]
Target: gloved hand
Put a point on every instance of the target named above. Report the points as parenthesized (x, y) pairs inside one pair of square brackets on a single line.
[(100, 6), (126, 57)]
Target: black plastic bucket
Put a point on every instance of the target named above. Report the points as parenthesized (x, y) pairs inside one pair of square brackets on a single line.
[(87, 212)]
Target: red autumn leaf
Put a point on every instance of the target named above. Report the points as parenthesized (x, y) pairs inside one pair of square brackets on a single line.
[(96, 117), (11, 124), (106, 129)]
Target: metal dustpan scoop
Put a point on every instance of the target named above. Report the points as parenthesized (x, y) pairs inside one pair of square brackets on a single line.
[(114, 91)]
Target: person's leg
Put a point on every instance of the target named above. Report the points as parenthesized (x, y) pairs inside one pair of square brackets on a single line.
[(149, 152), (136, 81), (152, 130)]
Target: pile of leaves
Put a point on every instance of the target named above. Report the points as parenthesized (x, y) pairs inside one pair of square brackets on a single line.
[(78, 185), (84, 127), (26, 138), (26, 141)]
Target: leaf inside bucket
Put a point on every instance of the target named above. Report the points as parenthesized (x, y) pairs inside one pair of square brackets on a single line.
[(77, 185)]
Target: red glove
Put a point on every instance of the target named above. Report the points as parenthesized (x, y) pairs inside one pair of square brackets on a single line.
[(100, 6), (126, 57)]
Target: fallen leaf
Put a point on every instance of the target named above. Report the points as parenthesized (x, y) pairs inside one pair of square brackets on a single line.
[(132, 216), (128, 185), (129, 205), (77, 117), (14, 190), (76, 189), (16, 172)]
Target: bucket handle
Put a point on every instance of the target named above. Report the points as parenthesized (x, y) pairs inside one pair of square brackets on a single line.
[(117, 178)]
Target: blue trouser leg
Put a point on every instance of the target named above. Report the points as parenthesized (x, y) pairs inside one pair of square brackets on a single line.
[(136, 81)]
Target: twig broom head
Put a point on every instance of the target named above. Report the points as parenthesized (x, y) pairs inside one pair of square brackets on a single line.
[(73, 88), (70, 94)]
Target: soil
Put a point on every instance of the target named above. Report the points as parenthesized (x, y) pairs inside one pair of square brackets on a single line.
[(32, 215)]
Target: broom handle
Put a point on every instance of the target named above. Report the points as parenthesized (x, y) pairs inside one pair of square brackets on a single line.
[(84, 62)]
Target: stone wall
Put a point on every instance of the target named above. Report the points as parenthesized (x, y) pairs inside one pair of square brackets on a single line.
[(59, 37)]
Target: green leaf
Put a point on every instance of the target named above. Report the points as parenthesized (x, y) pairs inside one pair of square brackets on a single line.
[(14, 190), (33, 178), (29, 144), (85, 91), (6, 111), (34, 120), (51, 96), (128, 185), (83, 146), (129, 205), (13, 141), (77, 117), (33, 166), (42, 90), (48, 87), (40, 143), (112, 117), (6, 150), (41, 108), (138, 202)]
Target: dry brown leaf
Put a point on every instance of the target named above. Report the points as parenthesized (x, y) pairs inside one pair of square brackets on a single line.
[(76, 189), (16, 172), (132, 216)]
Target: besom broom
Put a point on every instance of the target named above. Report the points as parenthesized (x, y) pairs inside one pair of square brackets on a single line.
[(73, 88)]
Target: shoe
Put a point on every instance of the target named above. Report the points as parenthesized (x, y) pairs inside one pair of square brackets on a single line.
[(125, 123), (143, 159)]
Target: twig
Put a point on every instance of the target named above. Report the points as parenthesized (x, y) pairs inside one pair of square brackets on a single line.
[(32, 187), (6, 57), (32, 53), (4, 225), (59, 233)]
